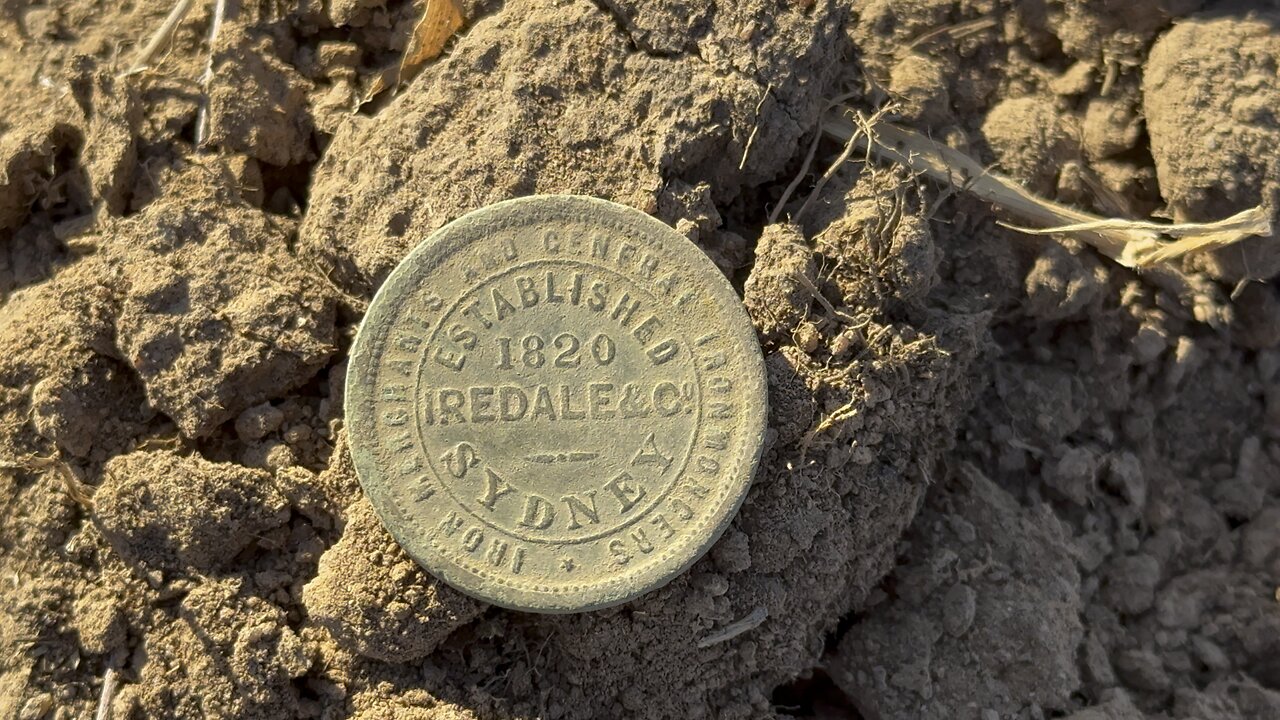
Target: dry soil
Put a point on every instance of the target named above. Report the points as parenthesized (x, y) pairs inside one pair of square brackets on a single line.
[(1005, 477)]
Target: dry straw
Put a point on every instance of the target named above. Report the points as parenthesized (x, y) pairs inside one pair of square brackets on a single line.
[(1138, 245)]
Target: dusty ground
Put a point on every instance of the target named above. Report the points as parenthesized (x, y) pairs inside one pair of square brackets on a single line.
[(1006, 477)]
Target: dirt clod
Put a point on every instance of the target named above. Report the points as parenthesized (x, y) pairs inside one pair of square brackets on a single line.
[(180, 513), (780, 292), (259, 104), (376, 601), (208, 347), (1210, 138), (975, 608), (1031, 140)]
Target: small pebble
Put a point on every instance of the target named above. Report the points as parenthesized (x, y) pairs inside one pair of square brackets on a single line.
[(36, 707), (258, 421)]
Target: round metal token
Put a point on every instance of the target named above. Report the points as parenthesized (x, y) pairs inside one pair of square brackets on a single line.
[(556, 403)]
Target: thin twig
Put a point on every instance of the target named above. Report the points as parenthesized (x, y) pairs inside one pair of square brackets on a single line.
[(840, 414), (955, 32), (109, 683), (795, 182), (736, 628), (38, 464), (161, 36), (857, 139), (206, 79), (844, 156), (808, 160), (823, 301), (755, 128)]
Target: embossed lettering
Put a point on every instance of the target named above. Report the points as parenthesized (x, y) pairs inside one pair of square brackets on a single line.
[(451, 524), (600, 246), (600, 399), (642, 540), (715, 439), (625, 308), (473, 311), (528, 292), (649, 455), (633, 403), (666, 399), (596, 301), (497, 552), (619, 552), (494, 488), (567, 412), (715, 362), (663, 351), (682, 508), (626, 493), (481, 404), (513, 403), (542, 406), (453, 361), (538, 513), (645, 330), (660, 521), (426, 493), (451, 402), (502, 307), (552, 295), (465, 338), (577, 506), (395, 393), (460, 459)]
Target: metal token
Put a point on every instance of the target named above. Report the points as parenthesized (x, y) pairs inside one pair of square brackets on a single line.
[(556, 403)]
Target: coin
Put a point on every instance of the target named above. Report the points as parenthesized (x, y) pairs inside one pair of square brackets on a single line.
[(556, 403)]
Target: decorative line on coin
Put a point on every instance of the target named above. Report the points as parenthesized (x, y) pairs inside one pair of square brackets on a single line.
[(563, 457)]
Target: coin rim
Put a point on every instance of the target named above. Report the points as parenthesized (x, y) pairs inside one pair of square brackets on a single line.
[(421, 261)]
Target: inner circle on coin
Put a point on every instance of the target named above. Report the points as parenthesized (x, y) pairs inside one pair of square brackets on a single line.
[(556, 403)]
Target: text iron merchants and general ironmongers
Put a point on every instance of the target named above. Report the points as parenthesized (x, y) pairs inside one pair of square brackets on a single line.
[(556, 403)]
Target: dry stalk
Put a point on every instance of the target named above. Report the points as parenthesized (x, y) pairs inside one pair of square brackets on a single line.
[(1142, 246), (850, 143), (35, 463), (1133, 244), (804, 167), (854, 141), (109, 684), (206, 79), (955, 32), (160, 37), (817, 295), (755, 128), (752, 621), (837, 416)]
